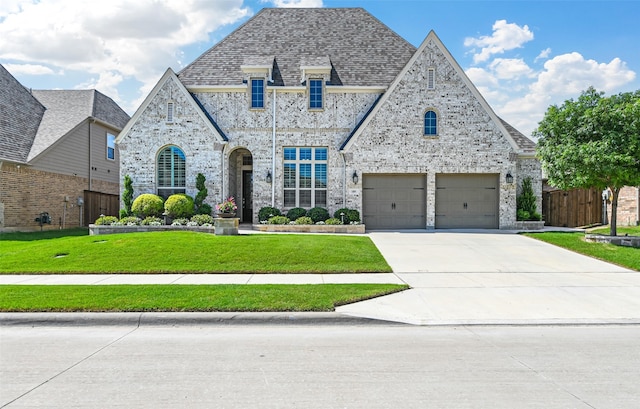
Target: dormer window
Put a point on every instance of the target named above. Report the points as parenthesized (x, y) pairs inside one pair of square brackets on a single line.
[(169, 111), (257, 93), (315, 94)]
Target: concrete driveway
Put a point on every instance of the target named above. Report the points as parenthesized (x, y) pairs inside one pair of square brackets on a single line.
[(489, 277)]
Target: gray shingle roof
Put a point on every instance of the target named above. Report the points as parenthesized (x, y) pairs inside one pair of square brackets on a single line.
[(362, 50), (20, 116), (66, 109), (525, 144)]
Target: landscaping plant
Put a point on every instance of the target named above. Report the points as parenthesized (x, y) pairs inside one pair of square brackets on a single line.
[(147, 204)]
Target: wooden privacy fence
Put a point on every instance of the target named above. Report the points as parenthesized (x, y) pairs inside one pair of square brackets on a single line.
[(572, 208), (96, 204)]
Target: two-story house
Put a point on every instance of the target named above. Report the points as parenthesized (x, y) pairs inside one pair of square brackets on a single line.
[(331, 108)]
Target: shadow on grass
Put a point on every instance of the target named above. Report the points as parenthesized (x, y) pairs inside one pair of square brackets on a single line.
[(44, 235)]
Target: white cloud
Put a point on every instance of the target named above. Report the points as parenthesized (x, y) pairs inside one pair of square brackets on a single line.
[(295, 3), (28, 69), (544, 54), (563, 77), (510, 68), (506, 36), (113, 40)]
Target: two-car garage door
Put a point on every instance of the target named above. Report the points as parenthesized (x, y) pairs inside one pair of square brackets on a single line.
[(399, 201)]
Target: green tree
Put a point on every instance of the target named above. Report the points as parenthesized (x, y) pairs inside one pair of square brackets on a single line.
[(201, 195), (593, 141), (127, 195)]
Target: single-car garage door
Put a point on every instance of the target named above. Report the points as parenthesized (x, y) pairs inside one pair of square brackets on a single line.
[(393, 201), (467, 201)]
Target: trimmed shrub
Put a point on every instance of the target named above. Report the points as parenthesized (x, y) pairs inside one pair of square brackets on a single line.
[(201, 219), (350, 215), (106, 220), (296, 213), (146, 205), (279, 220), (267, 212), (179, 206), (127, 196), (318, 214), (526, 203), (151, 221), (304, 220), (130, 220), (204, 209), (332, 221)]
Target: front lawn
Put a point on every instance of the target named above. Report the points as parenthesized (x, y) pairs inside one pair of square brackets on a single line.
[(176, 298), (187, 252), (622, 230), (628, 257)]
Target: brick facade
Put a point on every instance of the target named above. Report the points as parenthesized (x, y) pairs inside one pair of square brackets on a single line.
[(361, 135), (628, 202), (27, 192)]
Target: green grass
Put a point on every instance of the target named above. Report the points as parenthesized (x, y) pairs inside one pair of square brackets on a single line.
[(187, 252), (628, 257), (174, 298), (622, 230)]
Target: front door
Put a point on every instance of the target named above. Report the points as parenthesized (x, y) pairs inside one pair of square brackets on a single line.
[(247, 196)]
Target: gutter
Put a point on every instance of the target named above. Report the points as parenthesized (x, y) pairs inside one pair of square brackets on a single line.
[(273, 153)]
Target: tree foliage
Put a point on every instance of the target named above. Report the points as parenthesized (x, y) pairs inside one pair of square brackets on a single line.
[(593, 141), (127, 195)]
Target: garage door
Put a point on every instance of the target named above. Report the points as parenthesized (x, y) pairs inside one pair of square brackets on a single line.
[(393, 201), (467, 201)]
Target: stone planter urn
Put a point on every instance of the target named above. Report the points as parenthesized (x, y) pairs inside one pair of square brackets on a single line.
[(226, 215)]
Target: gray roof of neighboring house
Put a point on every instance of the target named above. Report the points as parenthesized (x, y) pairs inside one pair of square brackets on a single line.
[(32, 121), (20, 118), (362, 50)]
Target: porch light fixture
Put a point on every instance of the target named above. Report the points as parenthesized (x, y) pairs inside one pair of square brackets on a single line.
[(269, 179), (354, 177), (509, 178)]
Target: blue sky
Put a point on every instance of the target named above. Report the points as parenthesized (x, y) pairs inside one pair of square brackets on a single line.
[(522, 55)]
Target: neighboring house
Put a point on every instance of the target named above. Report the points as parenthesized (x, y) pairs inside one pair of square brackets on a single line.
[(57, 155), (331, 108), (628, 207)]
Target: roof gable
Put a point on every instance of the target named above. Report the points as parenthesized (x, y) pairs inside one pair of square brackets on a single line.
[(170, 76), (432, 37), (362, 51), (21, 116)]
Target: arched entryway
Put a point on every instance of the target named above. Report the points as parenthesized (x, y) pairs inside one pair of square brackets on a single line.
[(241, 182)]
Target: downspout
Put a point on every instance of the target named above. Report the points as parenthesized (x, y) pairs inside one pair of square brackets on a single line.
[(344, 180), (90, 152), (273, 153), (222, 192)]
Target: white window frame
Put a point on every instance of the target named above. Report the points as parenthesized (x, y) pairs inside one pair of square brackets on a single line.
[(431, 78), (170, 111), (322, 94), (264, 93), (314, 189), (111, 146)]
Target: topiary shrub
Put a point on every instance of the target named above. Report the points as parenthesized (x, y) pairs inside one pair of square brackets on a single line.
[(296, 212), (202, 194), (304, 220), (204, 209), (526, 203), (127, 196), (106, 220), (349, 215), (267, 212), (201, 219), (318, 214), (279, 220), (146, 205), (179, 206), (333, 221), (130, 221)]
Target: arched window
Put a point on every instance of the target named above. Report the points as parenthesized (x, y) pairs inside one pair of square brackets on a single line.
[(430, 123), (171, 171)]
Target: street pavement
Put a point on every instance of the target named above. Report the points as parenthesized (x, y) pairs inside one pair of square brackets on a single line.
[(456, 278)]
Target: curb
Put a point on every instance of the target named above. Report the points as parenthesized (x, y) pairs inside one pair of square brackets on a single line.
[(151, 319)]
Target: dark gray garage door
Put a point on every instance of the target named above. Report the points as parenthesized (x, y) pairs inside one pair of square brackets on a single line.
[(394, 201), (467, 201)]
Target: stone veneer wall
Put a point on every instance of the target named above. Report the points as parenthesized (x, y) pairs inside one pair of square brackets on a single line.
[(26, 192), (627, 206)]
